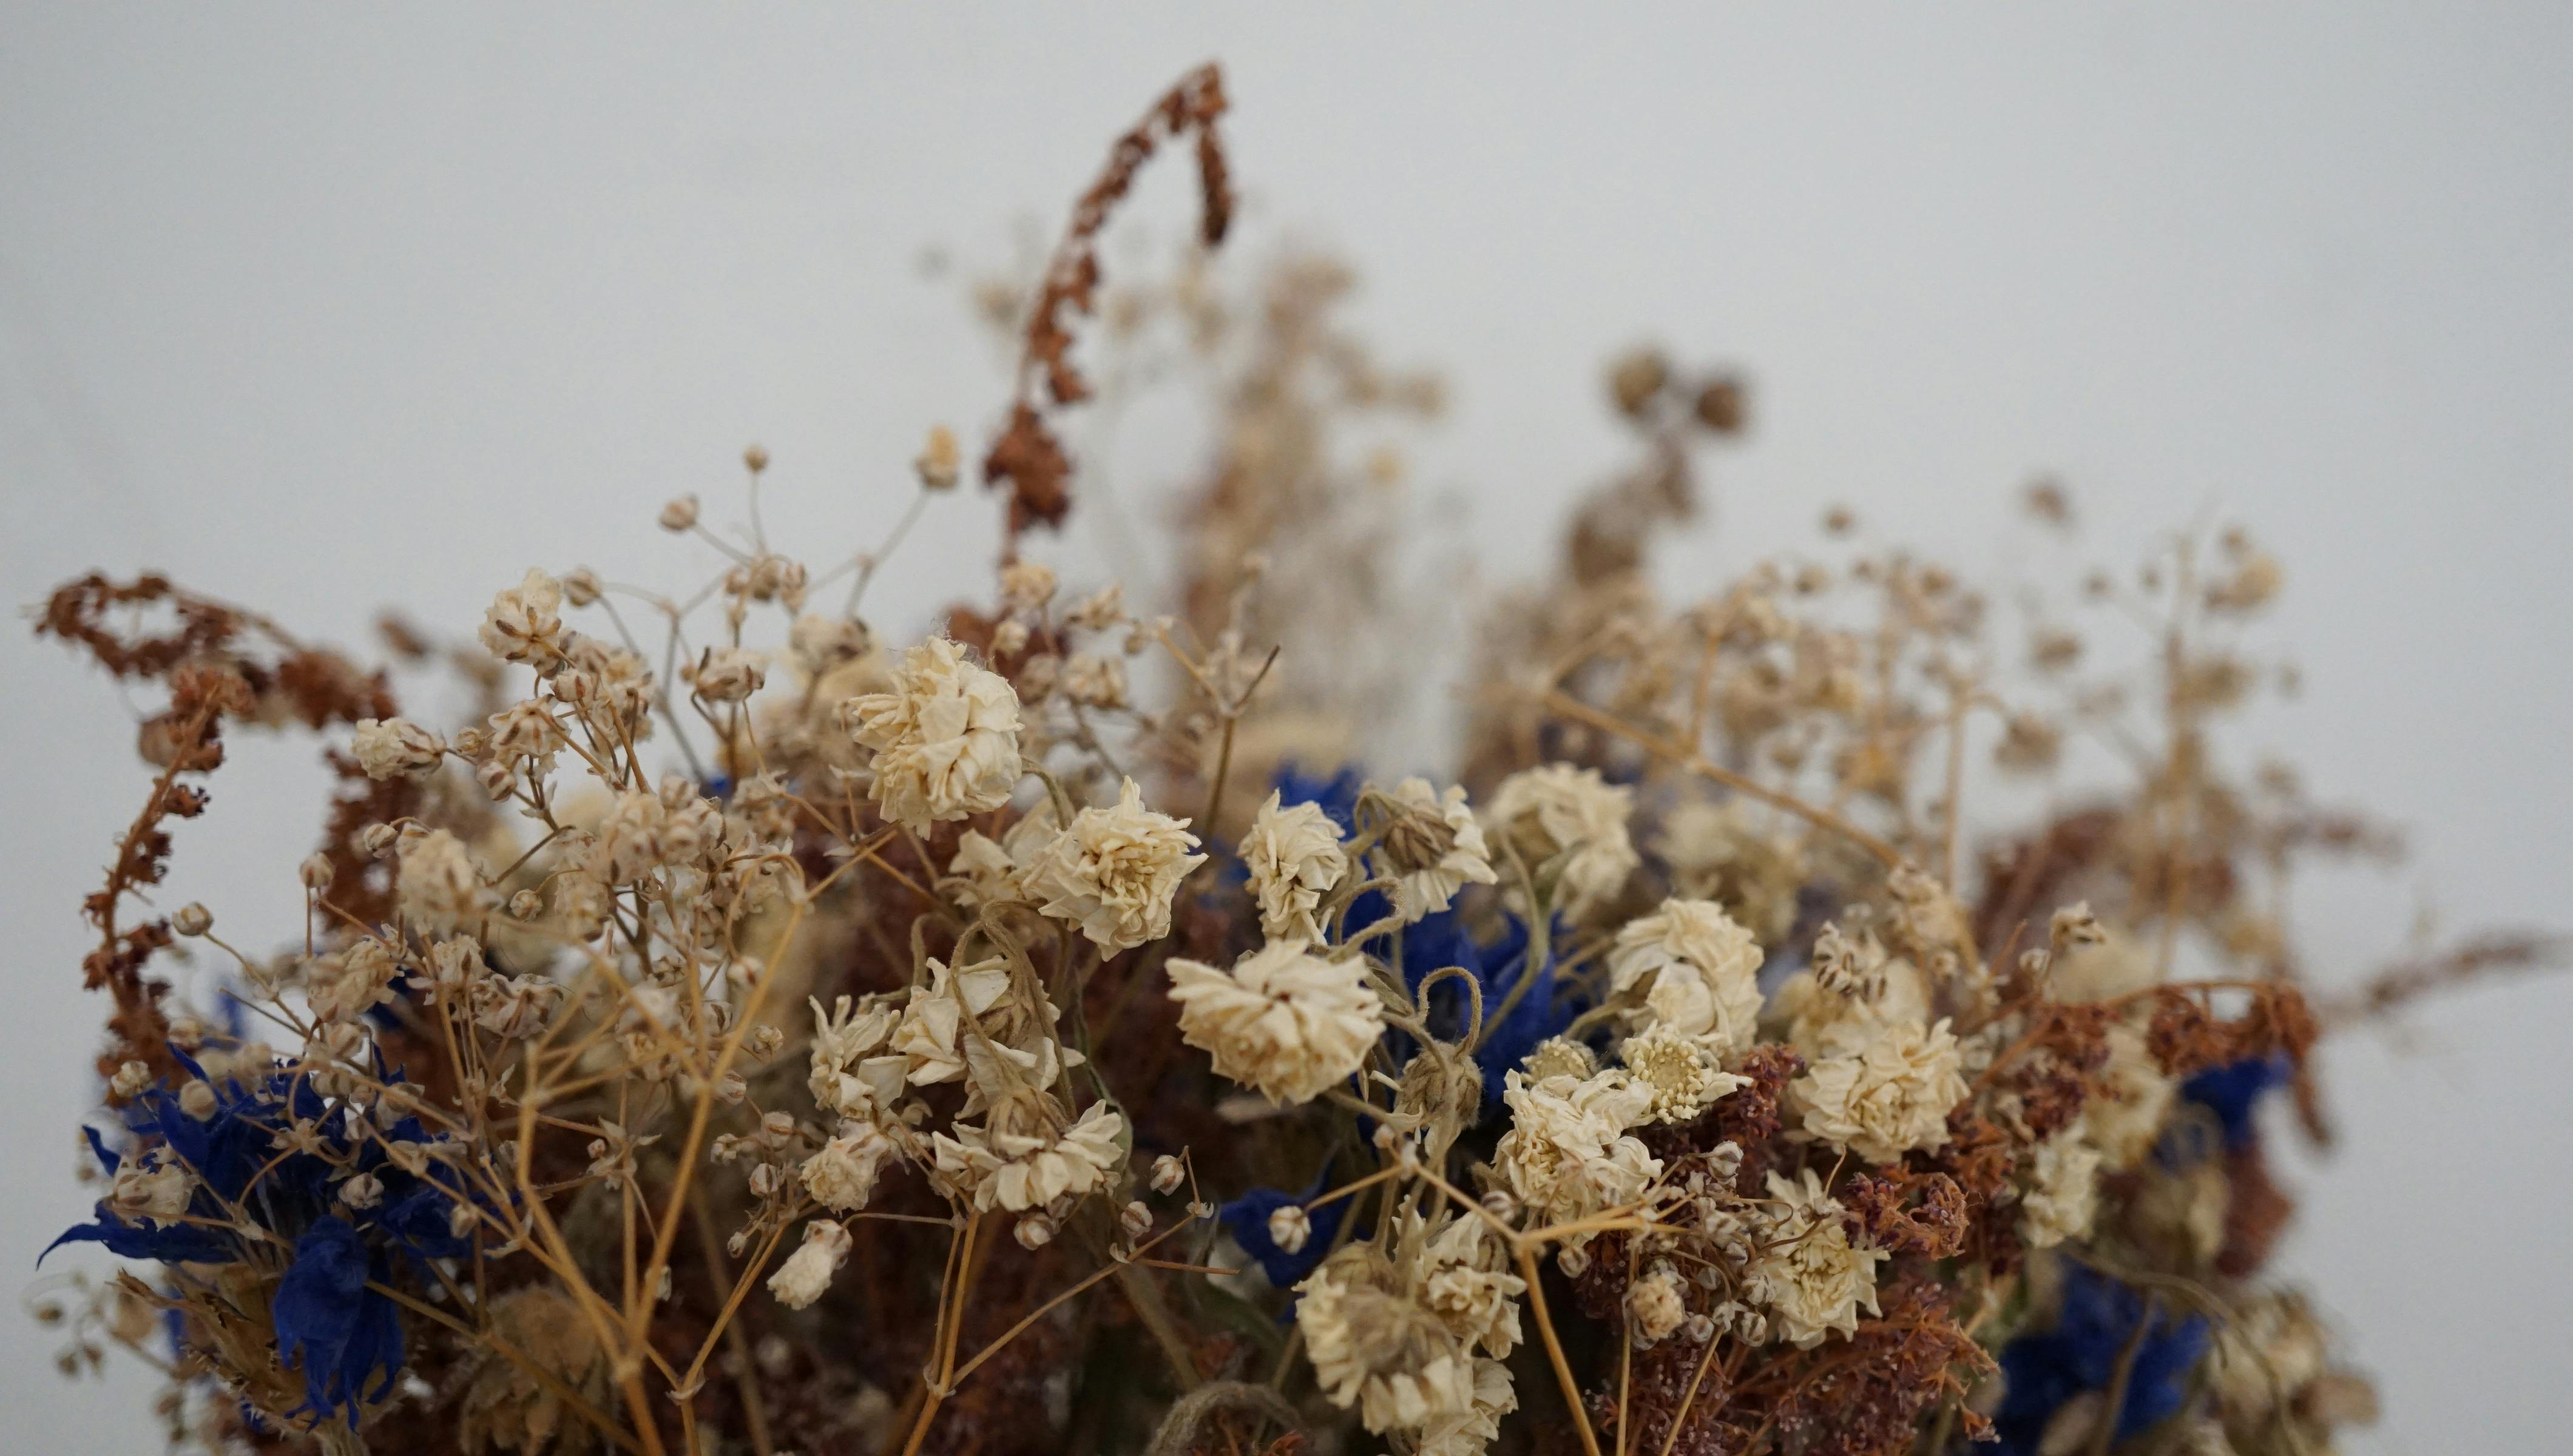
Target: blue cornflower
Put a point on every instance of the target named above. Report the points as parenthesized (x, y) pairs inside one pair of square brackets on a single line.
[(328, 1322), (2232, 1092), (2098, 1319)]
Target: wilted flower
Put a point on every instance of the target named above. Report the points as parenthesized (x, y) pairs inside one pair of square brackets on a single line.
[(1808, 1272), (1560, 810), (1293, 857), (396, 747), (1282, 1020), (1705, 969), (1884, 1091), (1112, 871), (1432, 848), (946, 738), (807, 1272)]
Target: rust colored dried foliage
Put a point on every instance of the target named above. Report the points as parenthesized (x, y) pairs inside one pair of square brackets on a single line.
[(1027, 455)]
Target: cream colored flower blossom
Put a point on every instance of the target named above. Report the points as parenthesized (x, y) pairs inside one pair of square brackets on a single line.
[(1376, 1349), (2125, 1117), (946, 738), (1295, 858), (1706, 967), (842, 1175), (980, 873), (395, 748), (1567, 1155), (802, 1278), (523, 624), (1025, 1170), (1807, 1272), (1470, 1432), (1558, 810), (1883, 1092), (1654, 1305), (1865, 989), (1112, 871), (2062, 1197), (1682, 1072), (853, 1074), (146, 1188), (1282, 1020), (2270, 1350), (730, 674), (346, 986), (1095, 680), (933, 1021), (1434, 849), (1465, 1280), (439, 887)]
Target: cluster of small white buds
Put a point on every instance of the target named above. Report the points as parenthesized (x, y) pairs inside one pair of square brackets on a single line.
[(1289, 1227)]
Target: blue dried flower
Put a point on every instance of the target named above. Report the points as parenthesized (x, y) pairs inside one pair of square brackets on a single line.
[(327, 1321), (2098, 1319), (2232, 1092)]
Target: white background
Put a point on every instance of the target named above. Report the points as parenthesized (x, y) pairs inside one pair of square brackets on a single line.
[(323, 313)]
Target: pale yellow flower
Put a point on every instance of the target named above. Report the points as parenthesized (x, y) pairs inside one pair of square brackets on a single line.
[(1293, 857), (1558, 810), (1112, 871), (946, 738), (1705, 969), (1282, 1020), (2062, 1197), (1807, 1271), (1884, 1091)]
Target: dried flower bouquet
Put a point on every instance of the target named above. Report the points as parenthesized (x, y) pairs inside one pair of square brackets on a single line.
[(746, 1035)]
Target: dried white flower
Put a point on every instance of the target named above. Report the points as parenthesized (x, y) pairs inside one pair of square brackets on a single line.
[(523, 625), (842, 1175), (192, 918), (395, 747), (1434, 849), (730, 674), (2125, 1116), (1378, 1348), (1019, 1171), (146, 1188), (1289, 1227), (1470, 1432), (1095, 681), (1025, 585), (1282, 1020), (1567, 1155), (1556, 810), (439, 887), (2062, 1197), (1884, 1091), (1807, 1272), (1112, 871), (1654, 1305), (1293, 857), (346, 986), (946, 738), (1705, 969), (1168, 1173), (802, 1278), (1683, 1073)]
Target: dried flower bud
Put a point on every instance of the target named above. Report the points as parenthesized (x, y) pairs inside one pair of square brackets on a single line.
[(365, 1190), (1720, 406), (130, 1080), (1134, 1220), (939, 464), (197, 1100), (192, 919), (1026, 586), (395, 748), (1502, 1205), (1034, 1232), (1168, 1173), (186, 1032), (756, 458), (1289, 1227), (2075, 925), (378, 840), (679, 514), (1634, 379), (316, 872)]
